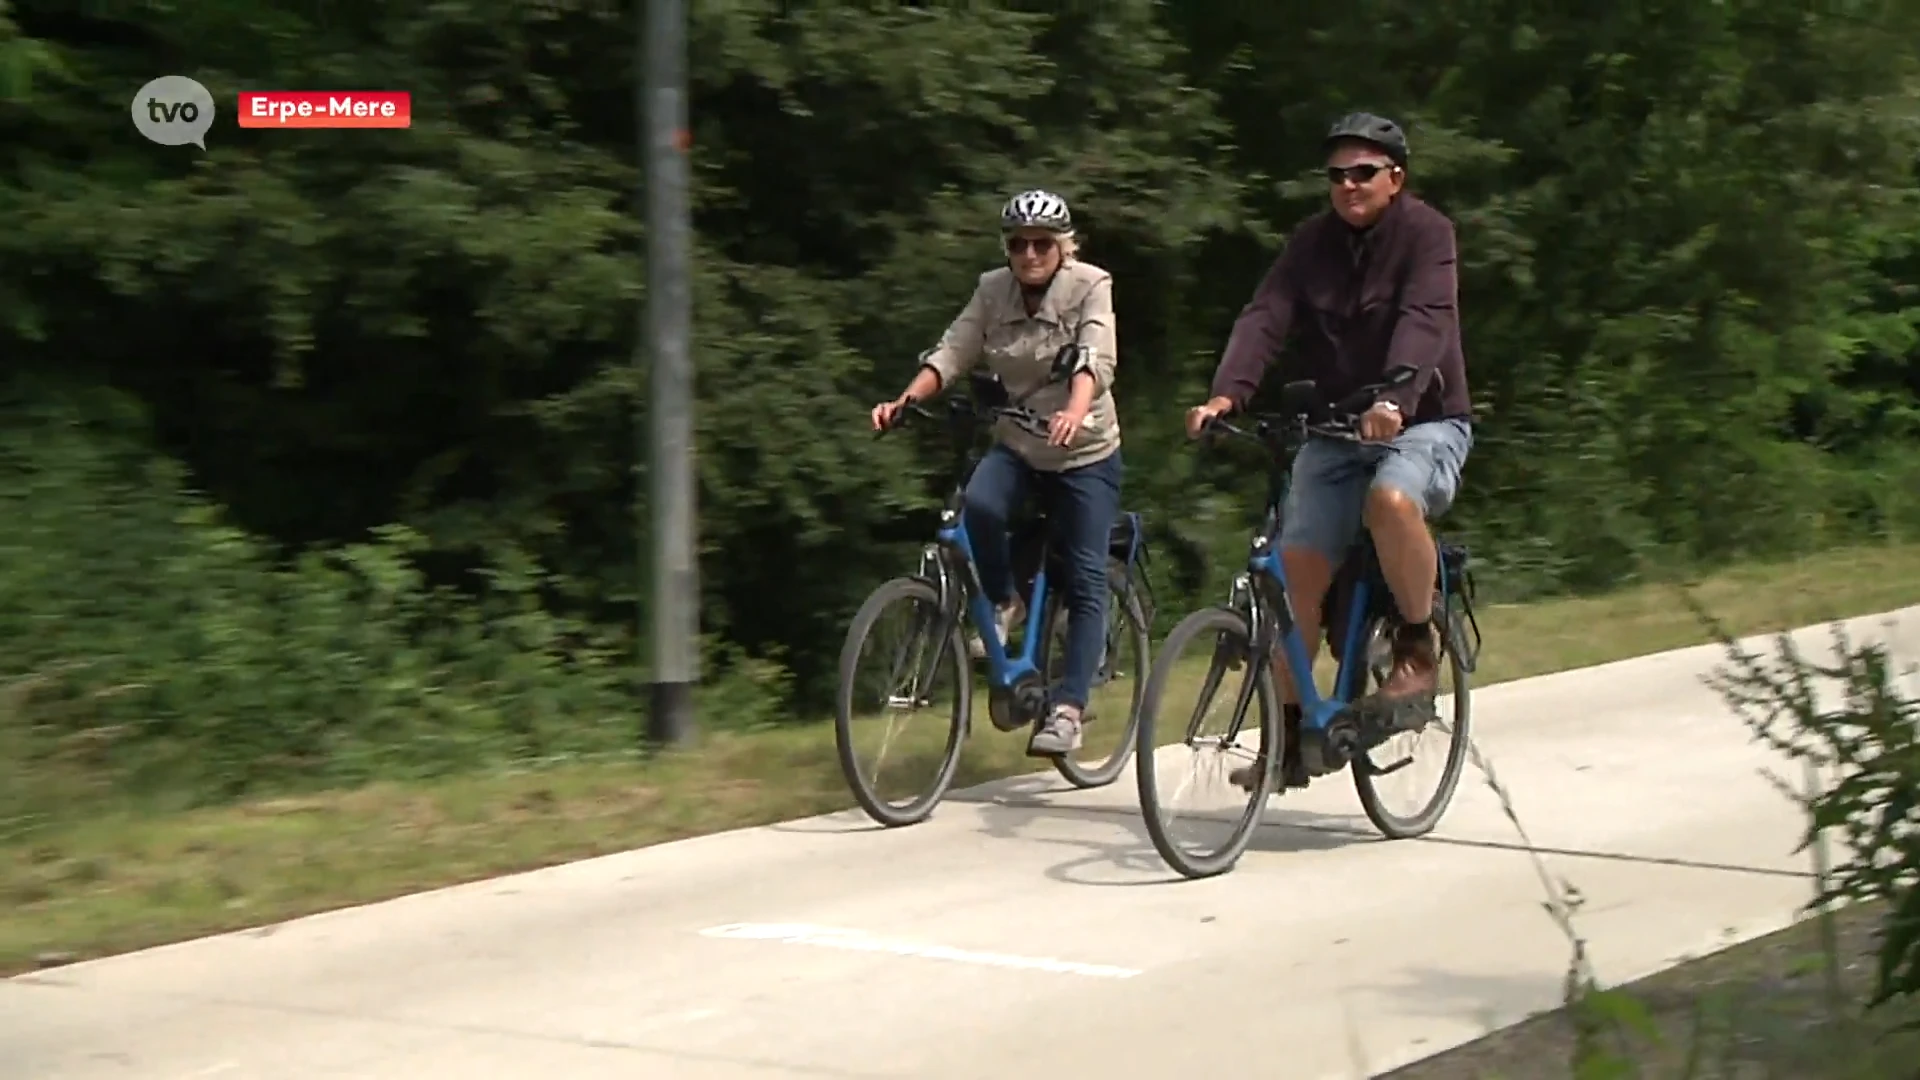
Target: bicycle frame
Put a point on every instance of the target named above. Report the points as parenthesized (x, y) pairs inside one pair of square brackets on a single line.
[(1262, 589), (1269, 631), (951, 557), (1003, 671)]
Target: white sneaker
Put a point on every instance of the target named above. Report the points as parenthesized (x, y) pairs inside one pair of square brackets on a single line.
[(1058, 734)]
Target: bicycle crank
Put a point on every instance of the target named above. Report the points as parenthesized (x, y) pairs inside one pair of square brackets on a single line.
[(1022, 704)]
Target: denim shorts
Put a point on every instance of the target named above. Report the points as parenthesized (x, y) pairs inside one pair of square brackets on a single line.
[(1327, 495)]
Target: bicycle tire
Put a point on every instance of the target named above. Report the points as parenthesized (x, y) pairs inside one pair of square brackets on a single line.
[(1206, 620), (1122, 593), (1390, 825), (954, 652)]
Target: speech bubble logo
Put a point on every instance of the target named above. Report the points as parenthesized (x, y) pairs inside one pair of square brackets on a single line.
[(173, 110)]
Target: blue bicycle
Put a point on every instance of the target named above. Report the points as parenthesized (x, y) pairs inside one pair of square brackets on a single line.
[(1244, 633), (932, 661)]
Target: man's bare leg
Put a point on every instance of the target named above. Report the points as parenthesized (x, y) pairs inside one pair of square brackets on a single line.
[(1409, 562)]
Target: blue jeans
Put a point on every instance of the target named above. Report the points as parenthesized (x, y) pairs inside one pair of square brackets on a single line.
[(1081, 505)]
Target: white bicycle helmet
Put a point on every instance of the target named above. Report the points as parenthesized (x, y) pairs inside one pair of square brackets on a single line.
[(1037, 210)]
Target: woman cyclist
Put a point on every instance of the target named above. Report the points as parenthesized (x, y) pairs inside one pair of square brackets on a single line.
[(1020, 317)]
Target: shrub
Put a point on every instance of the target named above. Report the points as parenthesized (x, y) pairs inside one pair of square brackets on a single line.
[(151, 648), (1866, 749)]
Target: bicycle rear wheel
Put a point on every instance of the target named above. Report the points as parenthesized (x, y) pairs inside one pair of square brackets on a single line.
[(1224, 646), (917, 672), (1385, 767), (1113, 709)]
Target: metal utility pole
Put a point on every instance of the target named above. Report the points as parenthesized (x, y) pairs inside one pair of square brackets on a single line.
[(676, 586)]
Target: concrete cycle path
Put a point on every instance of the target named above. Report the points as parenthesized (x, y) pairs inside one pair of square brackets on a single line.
[(1024, 931)]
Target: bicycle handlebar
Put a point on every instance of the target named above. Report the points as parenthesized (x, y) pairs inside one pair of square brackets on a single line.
[(962, 407), (1068, 362), (1267, 424), (1341, 420)]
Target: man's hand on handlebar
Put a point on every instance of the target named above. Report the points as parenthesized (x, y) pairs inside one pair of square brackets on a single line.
[(1199, 416), (1381, 423)]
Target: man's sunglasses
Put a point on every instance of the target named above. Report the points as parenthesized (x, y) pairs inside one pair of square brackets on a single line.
[(1020, 245), (1359, 174)]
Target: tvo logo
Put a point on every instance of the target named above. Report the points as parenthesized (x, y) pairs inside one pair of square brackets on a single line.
[(173, 110)]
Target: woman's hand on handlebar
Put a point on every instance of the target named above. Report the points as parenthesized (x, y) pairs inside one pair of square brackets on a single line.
[(1200, 415), (887, 412), (924, 386), (1064, 425)]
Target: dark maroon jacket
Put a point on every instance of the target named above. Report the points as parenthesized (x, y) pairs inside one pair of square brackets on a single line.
[(1358, 304)]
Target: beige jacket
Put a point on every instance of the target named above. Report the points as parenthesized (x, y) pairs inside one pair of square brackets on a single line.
[(1020, 349)]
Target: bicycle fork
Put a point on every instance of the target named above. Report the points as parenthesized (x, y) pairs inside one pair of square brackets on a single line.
[(925, 660), (1226, 657)]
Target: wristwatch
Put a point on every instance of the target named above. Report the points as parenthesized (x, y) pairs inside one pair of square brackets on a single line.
[(1394, 405)]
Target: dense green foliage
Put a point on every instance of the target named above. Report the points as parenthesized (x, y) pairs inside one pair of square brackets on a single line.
[(396, 368)]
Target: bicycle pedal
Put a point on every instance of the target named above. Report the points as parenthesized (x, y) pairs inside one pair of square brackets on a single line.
[(1384, 720), (1385, 770)]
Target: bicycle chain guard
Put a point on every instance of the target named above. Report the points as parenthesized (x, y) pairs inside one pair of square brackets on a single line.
[(1018, 706)]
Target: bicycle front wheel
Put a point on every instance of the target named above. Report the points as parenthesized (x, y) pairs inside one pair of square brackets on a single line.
[(1184, 758), (913, 690)]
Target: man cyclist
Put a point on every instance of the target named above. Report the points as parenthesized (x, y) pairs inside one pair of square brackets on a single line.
[(1365, 286)]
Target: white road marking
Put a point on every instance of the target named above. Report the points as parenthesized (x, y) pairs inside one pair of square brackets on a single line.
[(859, 941)]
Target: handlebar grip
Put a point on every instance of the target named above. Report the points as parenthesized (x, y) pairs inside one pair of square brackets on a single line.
[(900, 417), (1217, 425)]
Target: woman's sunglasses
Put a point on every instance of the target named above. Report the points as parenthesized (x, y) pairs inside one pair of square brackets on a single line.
[(1020, 245), (1359, 174)]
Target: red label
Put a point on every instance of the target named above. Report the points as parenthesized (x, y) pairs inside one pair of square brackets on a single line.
[(326, 109)]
